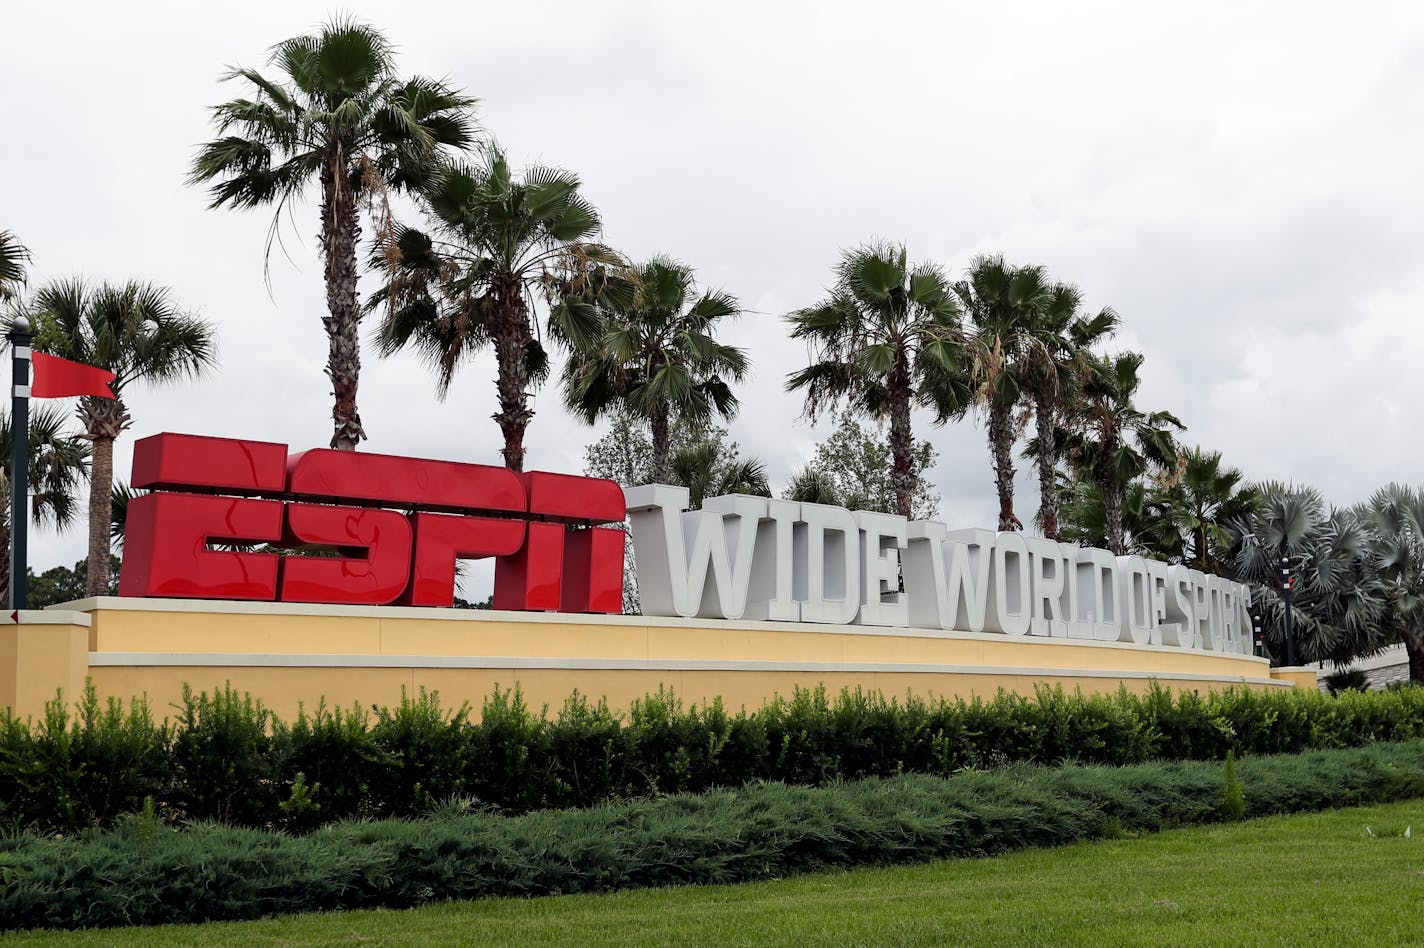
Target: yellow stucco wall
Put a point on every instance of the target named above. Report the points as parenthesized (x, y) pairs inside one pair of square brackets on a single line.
[(291, 655)]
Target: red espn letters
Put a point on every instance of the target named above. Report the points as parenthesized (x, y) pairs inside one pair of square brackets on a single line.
[(395, 525)]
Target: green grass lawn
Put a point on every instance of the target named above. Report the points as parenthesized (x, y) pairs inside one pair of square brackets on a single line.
[(1300, 880)]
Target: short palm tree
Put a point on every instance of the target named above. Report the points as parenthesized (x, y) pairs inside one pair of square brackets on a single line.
[(1115, 443), (1393, 520), (340, 117), (494, 241), (887, 340), (1205, 500), (1005, 306), (705, 470), (1340, 606), (140, 334), (1054, 363), (657, 357), (1145, 529), (14, 257), (58, 467)]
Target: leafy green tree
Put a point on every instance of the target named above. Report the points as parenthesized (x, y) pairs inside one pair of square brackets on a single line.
[(1005, 306), (1202, 503), (1393, 519), (494, 241), (13, 259), (61, 584), (1054, 364), (58, 466), (138, 332), (888, 339), (338, 117), (853, 468), (657, 357), (1338, 606), (1117, 443)]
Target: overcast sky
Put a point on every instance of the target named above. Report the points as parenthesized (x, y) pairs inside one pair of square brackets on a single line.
[(1242, 182)]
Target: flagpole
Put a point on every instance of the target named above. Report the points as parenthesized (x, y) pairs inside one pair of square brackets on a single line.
[(20, 338)]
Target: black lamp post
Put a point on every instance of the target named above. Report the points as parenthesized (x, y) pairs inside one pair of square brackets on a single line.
[(1287, 593)]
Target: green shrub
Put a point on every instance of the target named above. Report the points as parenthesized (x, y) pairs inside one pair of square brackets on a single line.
[(143, 872), (1233, 801), (227, 758)]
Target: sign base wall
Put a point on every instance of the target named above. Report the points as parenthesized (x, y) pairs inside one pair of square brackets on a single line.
[(291, 655)]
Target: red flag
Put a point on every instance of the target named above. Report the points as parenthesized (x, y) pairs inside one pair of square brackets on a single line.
[(59, 378)]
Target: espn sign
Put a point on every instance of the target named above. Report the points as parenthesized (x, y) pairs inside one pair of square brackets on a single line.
[(386, 529)]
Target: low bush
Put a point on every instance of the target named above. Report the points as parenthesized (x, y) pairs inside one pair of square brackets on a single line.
[(142, 872), (225, 758)]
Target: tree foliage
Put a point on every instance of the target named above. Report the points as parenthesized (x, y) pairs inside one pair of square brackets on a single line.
[(852, 468)]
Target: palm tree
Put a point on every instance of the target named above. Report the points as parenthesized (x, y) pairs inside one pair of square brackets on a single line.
[(887, 339), (1146, 530), (1054, 362), (58, 466), (13, 257), (705, 470), (1394, 523), (657, 358), (140, 334), (341, 117), (1116, 443), (494, 240), (1202, 504), (813, 486), (1339, 606), (1005, 306)]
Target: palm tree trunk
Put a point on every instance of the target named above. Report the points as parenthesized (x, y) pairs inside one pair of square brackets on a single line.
[(1112, 513), (510, 335), (1414, 648), (1199, 553), (1047, 466), (101, 489), (662, 439), (1001, 443), (340, 232), (901, 437)]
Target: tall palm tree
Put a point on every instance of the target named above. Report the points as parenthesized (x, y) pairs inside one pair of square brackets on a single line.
[(138, 332), (1202, 504), (1056, 359), (58, 467), (494, 240), (1005, 305), (1116, 443), (338, 116), (887, 339), (657, 358), (13, 258)]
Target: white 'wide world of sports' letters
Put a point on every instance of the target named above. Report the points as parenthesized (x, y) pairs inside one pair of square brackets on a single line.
[(743, 557)]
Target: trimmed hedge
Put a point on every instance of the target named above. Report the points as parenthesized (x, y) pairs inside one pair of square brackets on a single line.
[(145, 873), (225, 758)]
